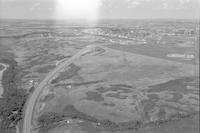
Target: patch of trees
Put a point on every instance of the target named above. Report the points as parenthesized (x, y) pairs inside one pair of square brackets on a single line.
[(13, 98), (173, 117), (49, 120)]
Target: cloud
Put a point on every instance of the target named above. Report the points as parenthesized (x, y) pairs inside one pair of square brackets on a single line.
[(105, 8), (133, 4), (184, 1), (165, 4)]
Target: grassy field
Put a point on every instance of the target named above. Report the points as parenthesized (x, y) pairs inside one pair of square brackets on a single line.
[(105, 89), (105, 92), (156, 51)]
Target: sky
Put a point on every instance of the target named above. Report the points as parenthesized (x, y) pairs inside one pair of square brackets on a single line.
[(100, 9)]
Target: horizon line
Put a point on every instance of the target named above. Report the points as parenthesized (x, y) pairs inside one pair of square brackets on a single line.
[(53, 19)]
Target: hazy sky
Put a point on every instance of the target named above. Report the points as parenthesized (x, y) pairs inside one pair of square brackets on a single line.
[(96, 9)]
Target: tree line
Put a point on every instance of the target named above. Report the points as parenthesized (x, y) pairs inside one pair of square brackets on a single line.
[(13, 98)]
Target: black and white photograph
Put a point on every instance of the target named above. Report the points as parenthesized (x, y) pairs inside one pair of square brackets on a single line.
[(99, 66)]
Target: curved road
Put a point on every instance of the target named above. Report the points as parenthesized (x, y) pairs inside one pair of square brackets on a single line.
[(32, 100), (1, 75)]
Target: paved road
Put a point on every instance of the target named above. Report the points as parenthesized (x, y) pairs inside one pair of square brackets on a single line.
[(1, 75), (32, 100)]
